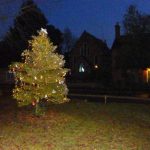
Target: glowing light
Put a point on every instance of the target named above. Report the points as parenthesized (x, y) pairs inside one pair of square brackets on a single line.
[(33, 103), (60, 63), (81, 68), (44, 30), (61, 82), (148, 75), (148, 69), (96, 66), (53, 91)]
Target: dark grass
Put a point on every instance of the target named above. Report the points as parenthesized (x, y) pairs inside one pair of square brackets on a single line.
[(76, 125)]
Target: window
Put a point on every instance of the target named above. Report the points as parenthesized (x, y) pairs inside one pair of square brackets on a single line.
[(148, 75), (81, 68), (81, 51), (87, 52), (96, 60), (84, 51)]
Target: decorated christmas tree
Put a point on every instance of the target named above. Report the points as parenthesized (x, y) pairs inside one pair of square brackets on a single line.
[(40, 75)]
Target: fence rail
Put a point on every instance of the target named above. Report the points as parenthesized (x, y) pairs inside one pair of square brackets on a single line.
[(109, 97)]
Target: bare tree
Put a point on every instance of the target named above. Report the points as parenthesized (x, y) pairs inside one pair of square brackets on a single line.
[(136, 22), (68, 40)]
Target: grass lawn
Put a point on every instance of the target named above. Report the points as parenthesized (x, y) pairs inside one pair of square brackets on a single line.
[(77, 126)]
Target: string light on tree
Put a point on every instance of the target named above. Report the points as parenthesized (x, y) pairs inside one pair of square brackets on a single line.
[(53, 91), (42, 73), (44, 31)]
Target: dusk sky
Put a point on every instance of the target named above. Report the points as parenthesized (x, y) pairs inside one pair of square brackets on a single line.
[(95, 16)]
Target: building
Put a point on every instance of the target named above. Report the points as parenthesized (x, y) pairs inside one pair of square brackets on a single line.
[(90, 58), (130, 59)]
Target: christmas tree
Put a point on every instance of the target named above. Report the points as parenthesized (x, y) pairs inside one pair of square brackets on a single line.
[(41, 74)]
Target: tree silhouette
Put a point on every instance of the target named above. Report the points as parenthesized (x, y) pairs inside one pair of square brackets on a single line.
[(29, 20), (135, 22), (135, 51), (56, 36), (68, 40)]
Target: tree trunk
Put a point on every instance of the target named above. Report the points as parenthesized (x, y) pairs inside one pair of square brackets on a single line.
[(37, 109)]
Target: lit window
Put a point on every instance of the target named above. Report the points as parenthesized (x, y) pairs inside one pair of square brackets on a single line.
[(81, 68), (148, 75), (96, 66)]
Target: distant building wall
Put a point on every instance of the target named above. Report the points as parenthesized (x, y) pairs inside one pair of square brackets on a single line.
[(89, 57)]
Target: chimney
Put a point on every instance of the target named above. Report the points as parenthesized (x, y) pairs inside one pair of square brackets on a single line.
[(117, 30)]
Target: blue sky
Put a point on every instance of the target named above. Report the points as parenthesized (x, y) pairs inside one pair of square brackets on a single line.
[(95, 16)]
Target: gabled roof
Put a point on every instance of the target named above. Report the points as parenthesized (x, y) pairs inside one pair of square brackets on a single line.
[(134, 50), (97, 41), (127, 39), (121, 41), (87, 36)]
